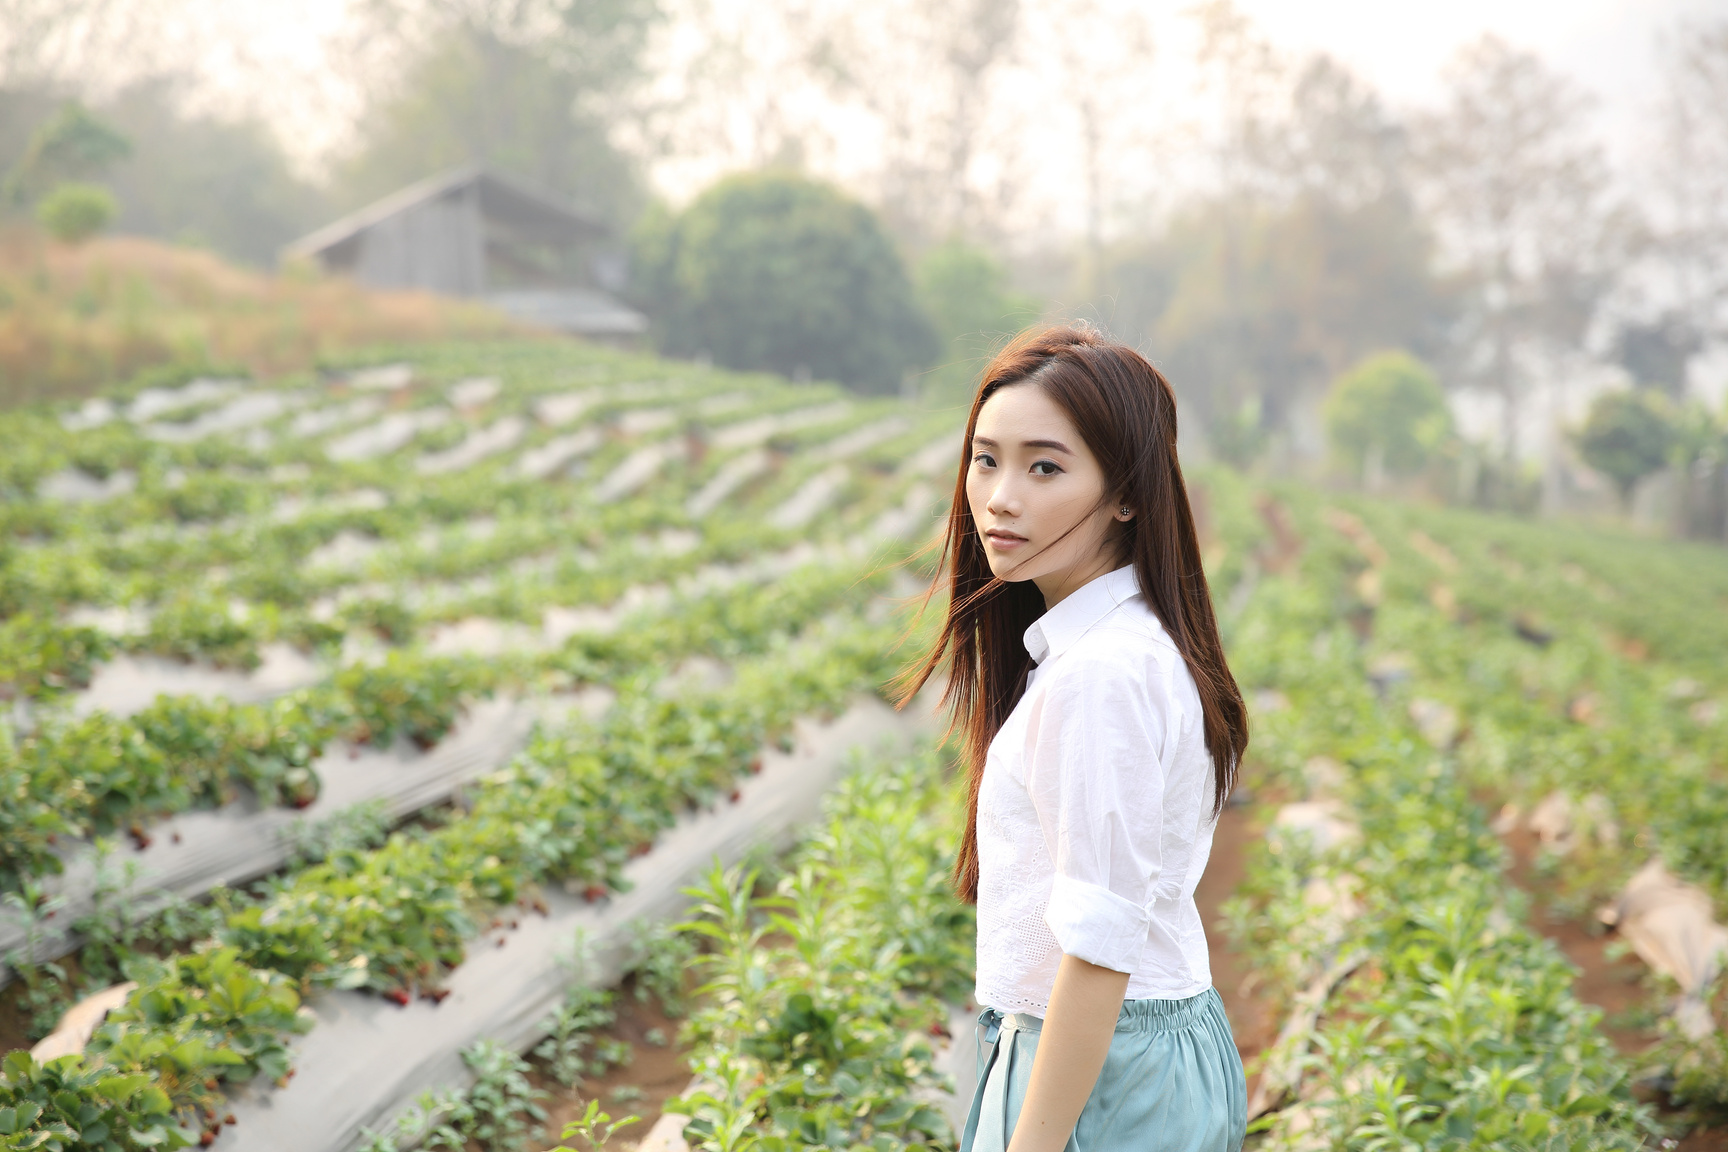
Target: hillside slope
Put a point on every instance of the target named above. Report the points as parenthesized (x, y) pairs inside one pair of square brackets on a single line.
[(73, 319)]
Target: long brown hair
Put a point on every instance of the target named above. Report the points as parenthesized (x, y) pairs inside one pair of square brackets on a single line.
[(1126, 412)]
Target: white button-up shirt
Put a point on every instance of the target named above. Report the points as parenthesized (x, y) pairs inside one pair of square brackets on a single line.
[(1095, 812)]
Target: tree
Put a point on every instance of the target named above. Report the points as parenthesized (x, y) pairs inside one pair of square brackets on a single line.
[(1689, 193), (773, 271), (72, 144), (1252, 307), (73, 213), (1517, 187), (196, 178), (1104, 50), (965, 293), (1308, 256), (923, 72), (532, 88), (1656, 353), (1626, 437), (1387, 415), (46, 44)]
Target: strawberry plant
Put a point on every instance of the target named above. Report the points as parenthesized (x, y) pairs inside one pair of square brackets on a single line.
[(822, 993), (70, 1103)]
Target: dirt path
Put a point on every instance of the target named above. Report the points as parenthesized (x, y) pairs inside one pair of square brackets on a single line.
[(657, 1070), (1251, 1021), (1613, 985)]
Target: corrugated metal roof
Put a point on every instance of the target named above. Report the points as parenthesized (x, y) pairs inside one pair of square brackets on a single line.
[(500, 198)]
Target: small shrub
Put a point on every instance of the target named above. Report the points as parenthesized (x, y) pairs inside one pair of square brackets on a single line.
[(73, 213)]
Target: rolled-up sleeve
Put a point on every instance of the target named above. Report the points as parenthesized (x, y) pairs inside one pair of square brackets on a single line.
[(1095, 779)]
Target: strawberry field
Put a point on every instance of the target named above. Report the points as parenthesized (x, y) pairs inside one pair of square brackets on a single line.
[(311, 687), (362, 728)]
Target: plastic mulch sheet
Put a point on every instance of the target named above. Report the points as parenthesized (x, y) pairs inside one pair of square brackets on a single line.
[(1669, 925), (193, 852)]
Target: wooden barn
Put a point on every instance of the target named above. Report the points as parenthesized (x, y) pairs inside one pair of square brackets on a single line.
[(475, 233)]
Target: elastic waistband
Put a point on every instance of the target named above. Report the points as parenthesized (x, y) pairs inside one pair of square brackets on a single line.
[(1139, 1015)]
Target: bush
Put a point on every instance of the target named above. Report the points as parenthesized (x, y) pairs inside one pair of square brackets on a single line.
[(1387, 414), (73, 213), (772, 271), (1626, 437)]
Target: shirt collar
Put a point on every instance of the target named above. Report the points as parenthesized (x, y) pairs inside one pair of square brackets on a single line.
[(1056, 631)]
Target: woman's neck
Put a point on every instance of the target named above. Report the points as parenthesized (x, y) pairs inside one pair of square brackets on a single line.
[(1058, 586)]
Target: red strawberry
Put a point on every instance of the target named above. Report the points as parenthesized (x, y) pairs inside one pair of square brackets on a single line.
[(594, 892), (398, 996)]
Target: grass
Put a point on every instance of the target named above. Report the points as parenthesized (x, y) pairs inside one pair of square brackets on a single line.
[(76, 318)]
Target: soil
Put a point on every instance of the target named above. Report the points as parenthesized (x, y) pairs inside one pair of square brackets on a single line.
[(1252, 1021), (15, 1020), (1606, 980), (656, 1071)]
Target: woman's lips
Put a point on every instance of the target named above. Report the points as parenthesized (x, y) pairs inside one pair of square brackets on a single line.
[(1004, 541)]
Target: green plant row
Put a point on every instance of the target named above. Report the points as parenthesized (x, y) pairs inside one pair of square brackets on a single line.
[(35, 442), (96, 775), (1594, 704), (210, 504), (589, 556), (573, 808), (1569, 709), (1662, 598), (824, 988), (79, 777), (1452, 1024)]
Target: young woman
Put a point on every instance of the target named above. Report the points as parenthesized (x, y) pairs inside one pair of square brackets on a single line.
[(1103, 731)]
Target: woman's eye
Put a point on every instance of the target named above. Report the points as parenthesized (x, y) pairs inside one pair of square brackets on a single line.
[(985, 459), (1045, 468)]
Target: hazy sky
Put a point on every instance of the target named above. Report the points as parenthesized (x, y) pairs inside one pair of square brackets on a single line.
[(1608, 45)]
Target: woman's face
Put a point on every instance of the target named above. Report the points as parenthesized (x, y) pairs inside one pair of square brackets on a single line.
[(1030, 480)]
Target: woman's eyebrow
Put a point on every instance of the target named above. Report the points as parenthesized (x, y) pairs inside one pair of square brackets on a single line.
[(986, 442)]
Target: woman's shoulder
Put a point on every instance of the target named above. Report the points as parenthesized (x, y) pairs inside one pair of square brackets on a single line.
[(1128, 645), (1131, 633)]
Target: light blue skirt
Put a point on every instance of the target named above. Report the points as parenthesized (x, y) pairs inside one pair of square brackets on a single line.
[(1172, 1081)]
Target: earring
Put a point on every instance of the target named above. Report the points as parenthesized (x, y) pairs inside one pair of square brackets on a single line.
[(1125, 512)]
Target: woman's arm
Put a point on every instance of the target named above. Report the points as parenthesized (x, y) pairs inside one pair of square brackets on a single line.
[(1072, 1045)]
